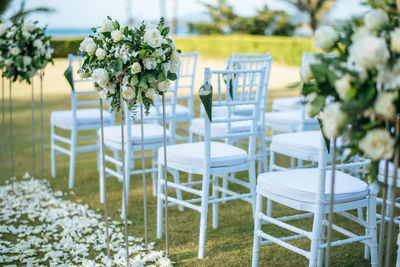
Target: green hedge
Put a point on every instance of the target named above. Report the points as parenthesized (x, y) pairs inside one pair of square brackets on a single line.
[(287, 50)]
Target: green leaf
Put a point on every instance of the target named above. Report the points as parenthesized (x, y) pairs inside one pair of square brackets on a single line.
[(307, 88), (116, 65), (172, 76), (134, 80), (207, 101), (317, 105), (165, 31), (19, 62), (107, 34), (143, 82), (327, 140), (68, 76), (294, 85), (161, 77), (142, 53)]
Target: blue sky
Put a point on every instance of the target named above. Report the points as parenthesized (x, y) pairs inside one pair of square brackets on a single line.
[(89, 13)]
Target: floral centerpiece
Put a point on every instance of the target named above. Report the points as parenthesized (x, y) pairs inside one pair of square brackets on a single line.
[(357, 92), (136, 62), (24, 49)]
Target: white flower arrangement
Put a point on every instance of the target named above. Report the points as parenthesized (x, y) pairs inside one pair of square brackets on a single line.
[(24, 49), (363, 82), (137, 62)]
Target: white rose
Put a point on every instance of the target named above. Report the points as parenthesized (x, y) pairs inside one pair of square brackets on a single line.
[(27, 60), (49, 52), (333, 120), (149, 63), (8, 62), (150, 93), (310, 99), (101, 77), (152, 37), (377, 144), (107, 26), (26, 34), (38, 44), (128, 92), (163, 86), (91, 48), (116, 35), (88, 46), (175, 57), (395, 40), (369, 51), (15, 51), (384, 104), (343, 86), (174, 68), (325, 38), (167, 66), (28, 27), (136, 68), (375, 19), (361, 32), (100, 53), (3, 29), (110, 87), (103, 94), (306, 73)]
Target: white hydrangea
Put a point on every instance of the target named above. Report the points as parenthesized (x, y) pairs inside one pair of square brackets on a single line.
[(149, 63), (377, 144)]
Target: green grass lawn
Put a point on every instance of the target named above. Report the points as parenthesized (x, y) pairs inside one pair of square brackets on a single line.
[(229, 245)]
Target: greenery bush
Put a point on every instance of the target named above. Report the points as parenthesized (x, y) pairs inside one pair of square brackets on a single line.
[(287, 50)]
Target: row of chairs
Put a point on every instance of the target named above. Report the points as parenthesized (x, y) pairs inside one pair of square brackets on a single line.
[(232, 143)]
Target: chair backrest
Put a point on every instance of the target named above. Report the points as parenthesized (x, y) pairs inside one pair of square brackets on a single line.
[(84, 94), (250, 56), (246, 89), (185, 82), (170, 98), (253, 64)]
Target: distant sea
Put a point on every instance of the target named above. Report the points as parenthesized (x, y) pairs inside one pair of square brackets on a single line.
[(83, 32)]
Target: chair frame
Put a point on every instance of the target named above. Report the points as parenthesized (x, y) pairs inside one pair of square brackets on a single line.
[(212, 174), (72, 142), (319, 209)]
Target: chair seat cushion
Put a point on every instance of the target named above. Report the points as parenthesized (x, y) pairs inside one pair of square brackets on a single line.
[(291, 118), (381, 175), (153, 133), (287, 103), (192, 154), (182, 113), (83, 116), (302, 184), (197, 127), (305, 144)]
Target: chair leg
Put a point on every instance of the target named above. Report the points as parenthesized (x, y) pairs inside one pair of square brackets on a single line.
[(177, 180), (316, 237), (203, 215), (371, 213), (191, 140), (215, 184), (116, 156), (257, 230), (398, 249), (253, 185), (159, 202), (53, 152), (72, 158), (271, 168), (264, 152), (320, 260)]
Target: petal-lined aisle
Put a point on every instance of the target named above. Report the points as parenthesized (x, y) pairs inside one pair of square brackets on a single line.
[(38, 227)]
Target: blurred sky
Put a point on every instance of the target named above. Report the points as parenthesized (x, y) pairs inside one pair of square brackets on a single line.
[(89, 13)]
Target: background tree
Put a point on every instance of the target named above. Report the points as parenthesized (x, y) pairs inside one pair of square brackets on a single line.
[(389, 6), (22, 12), (315, 9)]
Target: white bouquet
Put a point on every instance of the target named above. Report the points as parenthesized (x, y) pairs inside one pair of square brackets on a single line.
[(24, 49), (136, 62)]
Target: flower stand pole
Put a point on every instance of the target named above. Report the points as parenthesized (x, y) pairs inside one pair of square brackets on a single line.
[(41, 126), (104, 176), (165, 175), (383, 213), (143, 176), (33, 131), (124, 193), (330, 215), (11, 139), (3, 129)]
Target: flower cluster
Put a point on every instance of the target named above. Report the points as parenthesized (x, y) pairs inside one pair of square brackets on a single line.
[(357, 91), (24, 49), (138, 62)]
